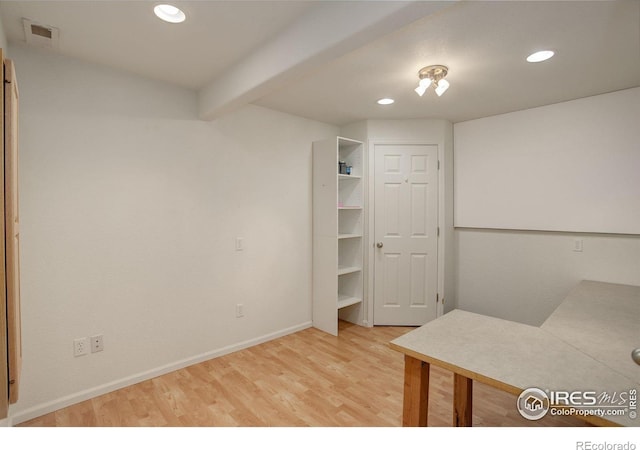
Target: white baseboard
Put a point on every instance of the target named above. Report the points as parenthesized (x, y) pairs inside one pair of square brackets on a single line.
[(63, 402)]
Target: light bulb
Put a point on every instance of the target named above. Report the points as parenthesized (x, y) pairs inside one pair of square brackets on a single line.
[(169, 13), (540, 56), (441, 87), (423, 85)]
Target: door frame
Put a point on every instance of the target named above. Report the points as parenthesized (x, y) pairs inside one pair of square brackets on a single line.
[(369, 253)]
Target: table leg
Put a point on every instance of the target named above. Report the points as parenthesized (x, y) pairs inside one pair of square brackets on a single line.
[(462, 400), (416, 392)]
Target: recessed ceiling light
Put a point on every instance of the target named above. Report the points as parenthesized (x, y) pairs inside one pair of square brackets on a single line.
[(385, 101), (169, 13), (540, 56)]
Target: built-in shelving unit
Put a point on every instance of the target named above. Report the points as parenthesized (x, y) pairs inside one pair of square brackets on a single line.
[(349, 236), (345, 300), (338, 212)]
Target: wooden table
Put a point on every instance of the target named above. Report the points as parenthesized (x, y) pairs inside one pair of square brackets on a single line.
[(585, 344)]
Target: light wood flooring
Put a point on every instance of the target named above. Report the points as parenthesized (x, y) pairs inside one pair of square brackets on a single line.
[(308, 378)]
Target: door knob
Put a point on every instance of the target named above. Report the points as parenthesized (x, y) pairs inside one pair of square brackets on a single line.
[(379, 244), (635, 355)]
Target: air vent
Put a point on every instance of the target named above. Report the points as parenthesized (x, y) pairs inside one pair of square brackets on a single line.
[(39, 30), (40, 35)]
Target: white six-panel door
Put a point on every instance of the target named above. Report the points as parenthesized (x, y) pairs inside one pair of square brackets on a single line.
[(405, 230)]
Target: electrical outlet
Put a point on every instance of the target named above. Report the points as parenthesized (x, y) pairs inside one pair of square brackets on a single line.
[(239, 244), (239, 310), (577, 245), (96, 343), (80, 346)]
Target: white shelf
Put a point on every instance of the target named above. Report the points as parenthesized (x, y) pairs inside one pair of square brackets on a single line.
[(338, 233), (345, 300), (348, 269)]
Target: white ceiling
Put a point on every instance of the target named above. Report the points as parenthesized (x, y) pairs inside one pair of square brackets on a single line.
[(484, 44), (127, 35)]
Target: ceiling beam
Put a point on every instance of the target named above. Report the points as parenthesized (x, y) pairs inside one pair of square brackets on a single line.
[(327, 31)]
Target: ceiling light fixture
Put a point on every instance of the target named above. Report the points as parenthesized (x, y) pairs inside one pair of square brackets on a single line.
[(169, 13), (540, 56), (432, 75), (385, 101)]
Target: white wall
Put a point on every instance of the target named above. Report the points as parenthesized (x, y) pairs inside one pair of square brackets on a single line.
[(3, 38), (129, 211), (524, 275), (570, 166)]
